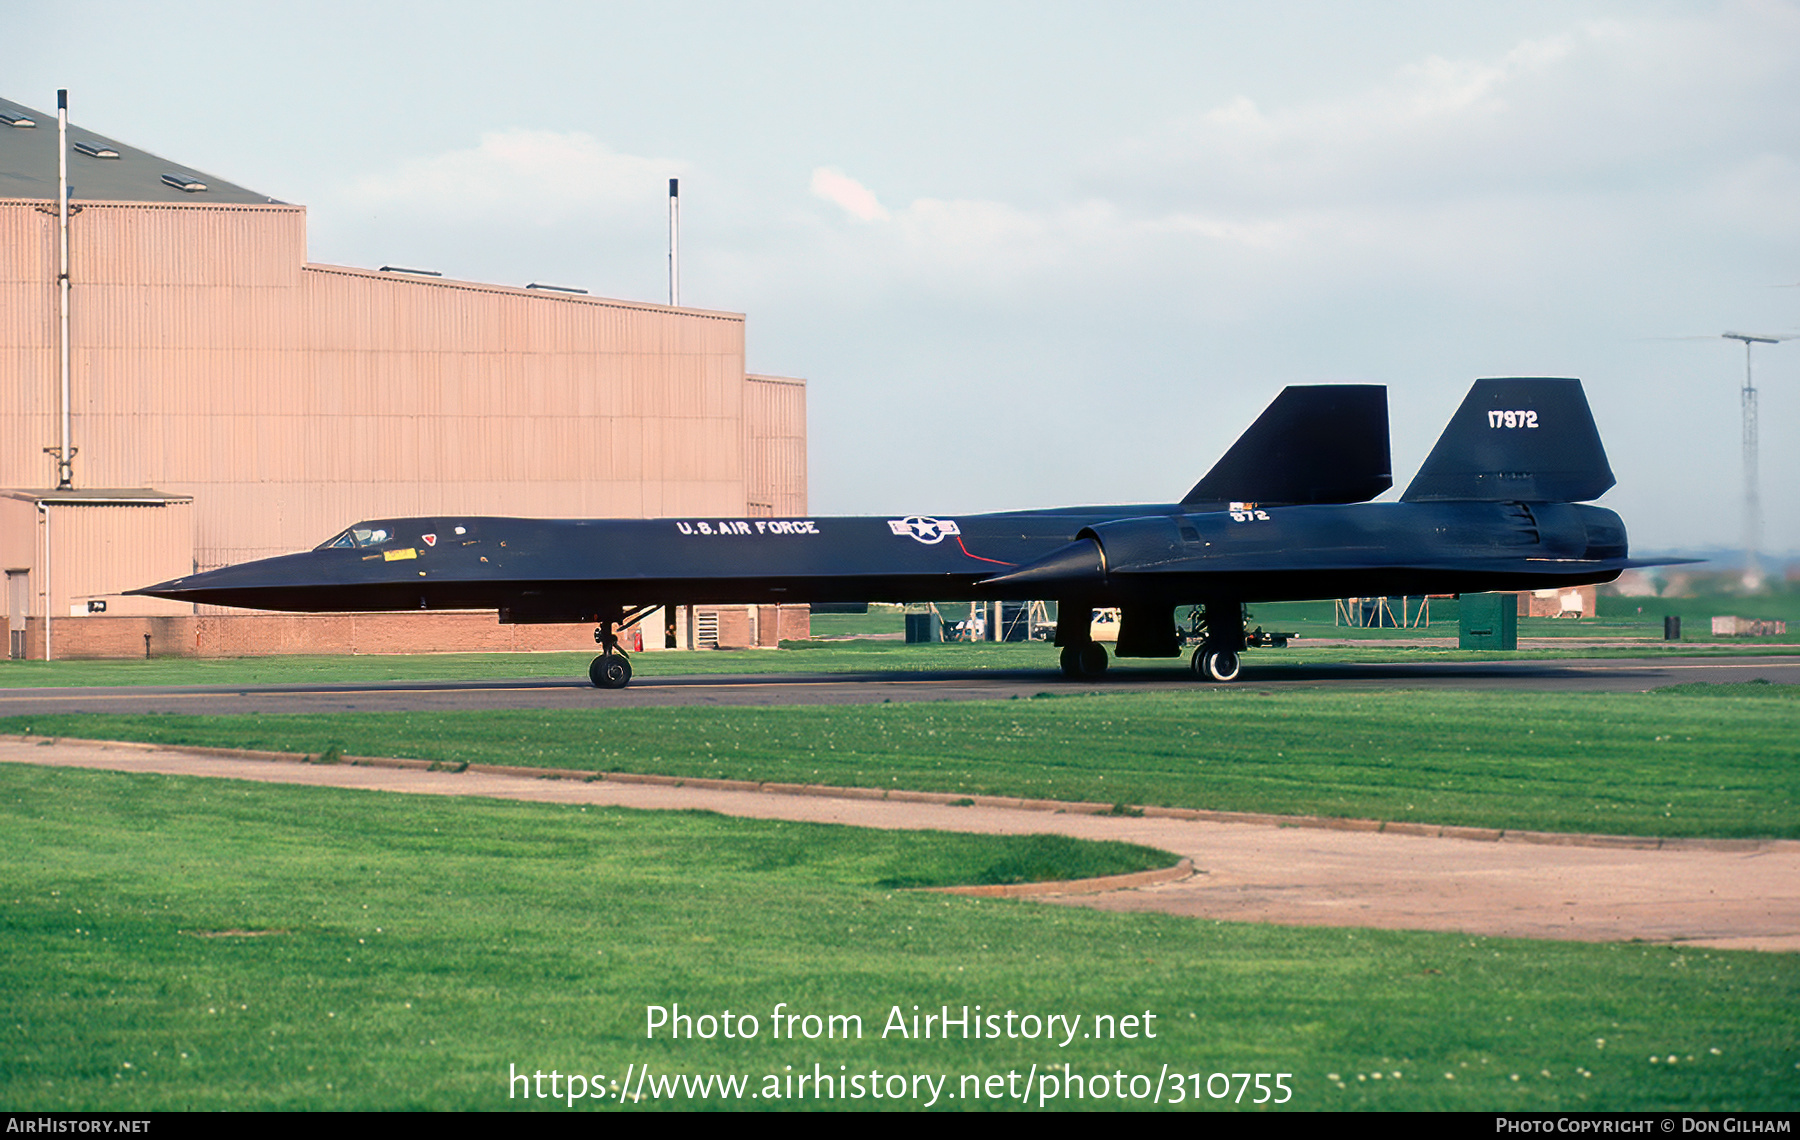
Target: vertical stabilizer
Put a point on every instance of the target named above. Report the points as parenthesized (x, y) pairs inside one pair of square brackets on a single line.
[(1516, 441), (1323, 443)]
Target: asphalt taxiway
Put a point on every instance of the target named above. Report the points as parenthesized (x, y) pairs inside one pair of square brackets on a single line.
[(1614, 675)]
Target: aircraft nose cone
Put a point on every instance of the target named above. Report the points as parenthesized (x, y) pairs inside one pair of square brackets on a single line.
[(173, 588), (243, 584), (1080, 561)]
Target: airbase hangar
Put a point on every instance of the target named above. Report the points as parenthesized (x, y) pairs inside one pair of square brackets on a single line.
[(228, 399)]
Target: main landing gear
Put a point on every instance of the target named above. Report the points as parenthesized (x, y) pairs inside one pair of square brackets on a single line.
[(1087, 659), (612, 669), (1216, 664), (1219, 625), (1219, 657), (1082, 656)]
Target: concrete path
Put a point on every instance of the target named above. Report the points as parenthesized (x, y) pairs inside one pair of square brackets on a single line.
[(1729, 894)]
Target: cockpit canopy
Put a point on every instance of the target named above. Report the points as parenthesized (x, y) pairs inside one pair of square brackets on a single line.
[(361, 535)]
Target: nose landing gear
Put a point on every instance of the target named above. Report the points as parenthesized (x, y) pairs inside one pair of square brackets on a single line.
[(612, 669)]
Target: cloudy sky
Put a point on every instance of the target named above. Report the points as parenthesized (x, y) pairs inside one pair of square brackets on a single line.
[(1043, 253)]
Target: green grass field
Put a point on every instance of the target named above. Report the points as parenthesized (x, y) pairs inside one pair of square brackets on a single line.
[(205, 944), (193, 944), (1696, 761)]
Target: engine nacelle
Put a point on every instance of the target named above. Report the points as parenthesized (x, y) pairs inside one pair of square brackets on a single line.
[(1153, 542)]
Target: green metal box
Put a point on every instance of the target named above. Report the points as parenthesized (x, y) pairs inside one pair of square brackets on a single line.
[(1488, 621), (925, 628)]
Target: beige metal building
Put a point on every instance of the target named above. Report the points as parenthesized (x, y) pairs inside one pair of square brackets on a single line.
[(232, 400)]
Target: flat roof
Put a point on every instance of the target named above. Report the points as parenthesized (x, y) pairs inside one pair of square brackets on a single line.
[(101, 497), (28, 167)]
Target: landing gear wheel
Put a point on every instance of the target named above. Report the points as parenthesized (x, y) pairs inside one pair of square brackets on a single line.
[(1080, 661), (610, 671), (1216, 664), (1093, 659), (1071, 662)]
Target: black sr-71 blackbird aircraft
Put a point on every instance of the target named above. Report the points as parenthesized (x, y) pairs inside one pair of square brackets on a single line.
[(1284, 515)]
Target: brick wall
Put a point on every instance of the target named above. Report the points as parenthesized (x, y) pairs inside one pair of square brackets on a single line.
[(266, 635)]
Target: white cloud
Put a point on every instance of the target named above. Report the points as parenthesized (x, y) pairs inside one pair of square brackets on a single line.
[(856, 199), (1433, 90), (1281, 191), (1603, 105), (545, 176)]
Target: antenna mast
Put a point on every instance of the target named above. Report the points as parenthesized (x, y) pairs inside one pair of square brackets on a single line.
[(65, 455), (674, 241), (1752, 493)]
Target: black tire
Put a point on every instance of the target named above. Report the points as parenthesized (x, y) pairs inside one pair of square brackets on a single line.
[(610, 671), (1080, 662), (1220, 665), (1092, 659)]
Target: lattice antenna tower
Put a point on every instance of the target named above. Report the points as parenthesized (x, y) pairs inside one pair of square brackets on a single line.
[(1752, 492)]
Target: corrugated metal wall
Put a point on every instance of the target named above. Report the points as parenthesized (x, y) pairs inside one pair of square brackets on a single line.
[(28, 363), (775, 445), (288, 398), (20, 542), (95, 547), (291, 399)]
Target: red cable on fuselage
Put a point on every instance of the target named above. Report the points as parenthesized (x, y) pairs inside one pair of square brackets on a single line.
[(979, 558)]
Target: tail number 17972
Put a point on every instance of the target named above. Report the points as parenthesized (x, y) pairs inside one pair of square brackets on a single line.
[(1512, 419)]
